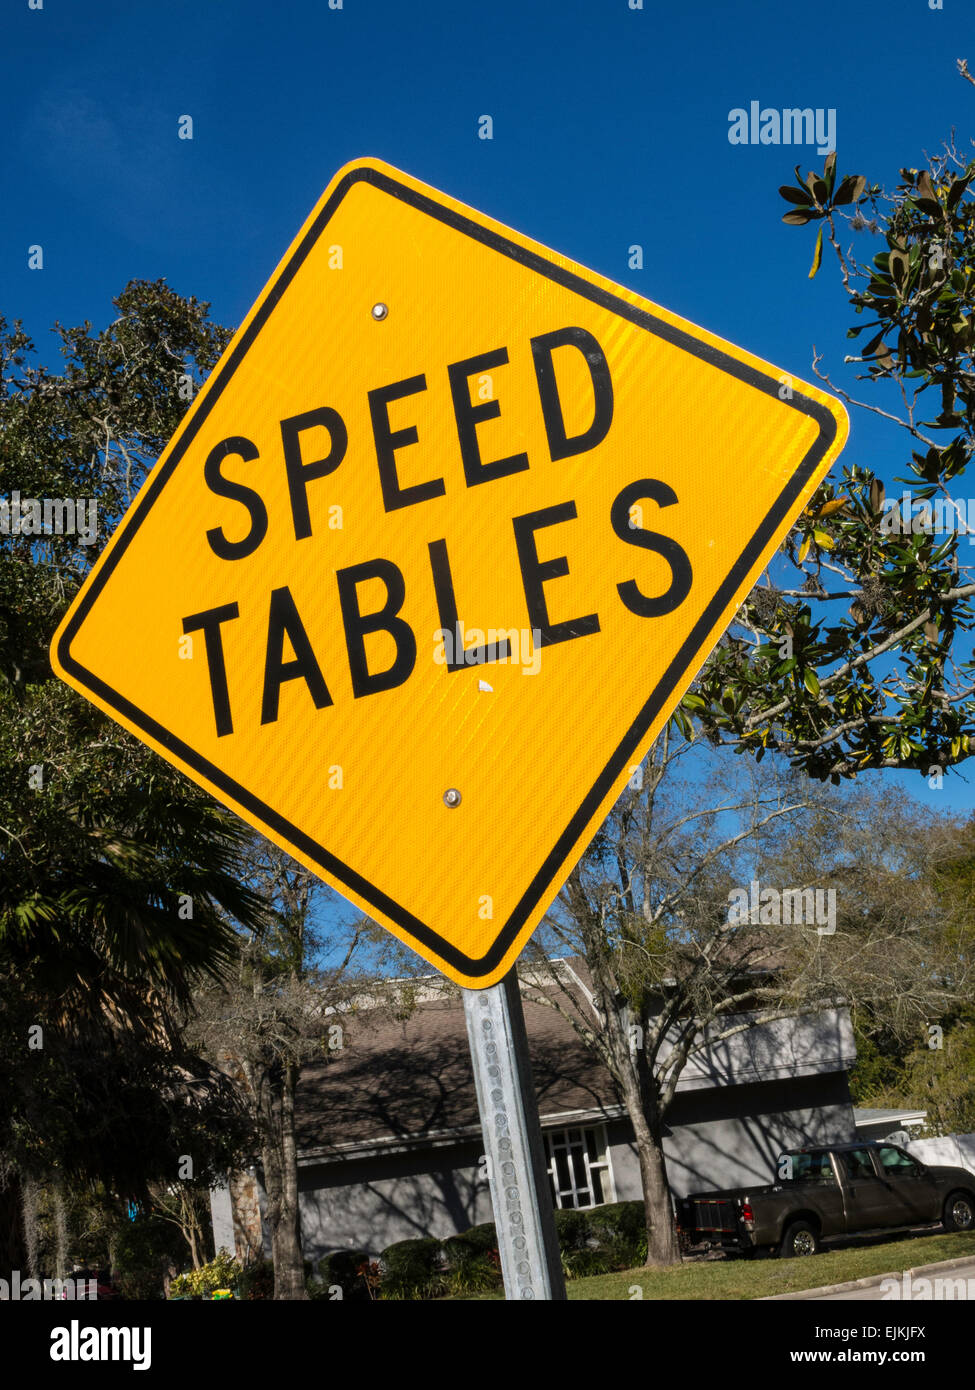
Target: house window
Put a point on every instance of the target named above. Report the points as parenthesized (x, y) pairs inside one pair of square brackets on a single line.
[(578, 1166)]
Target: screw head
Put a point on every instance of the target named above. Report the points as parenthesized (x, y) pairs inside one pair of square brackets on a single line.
[(451, 797), (379, 311)]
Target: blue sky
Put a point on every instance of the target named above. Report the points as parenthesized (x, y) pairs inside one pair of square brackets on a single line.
[(610, 128)]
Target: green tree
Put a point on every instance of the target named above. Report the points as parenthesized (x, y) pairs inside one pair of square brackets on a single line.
[(938, 1073), (119, 880), (850, 654), (880, 1062), (939, 1078)]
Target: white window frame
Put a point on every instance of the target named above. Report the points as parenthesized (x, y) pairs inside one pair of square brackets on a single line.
[(574, 1136)]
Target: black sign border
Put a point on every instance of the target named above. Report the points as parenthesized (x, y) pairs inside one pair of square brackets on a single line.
[(562, 849)]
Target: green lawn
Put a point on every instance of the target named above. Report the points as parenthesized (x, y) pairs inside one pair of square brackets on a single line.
[(761, 1278)]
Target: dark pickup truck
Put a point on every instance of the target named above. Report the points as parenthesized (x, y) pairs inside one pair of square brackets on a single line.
[(822, 1194)]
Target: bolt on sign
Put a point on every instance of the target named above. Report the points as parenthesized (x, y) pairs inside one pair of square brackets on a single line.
[(436, 551)]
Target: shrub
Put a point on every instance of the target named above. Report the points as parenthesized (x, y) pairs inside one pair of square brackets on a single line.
[(473, 1263), (141, 1284), (580, 1264), (581, 1253), (621, 1233), (592, 1240), (257, 1280), (572, 1229), (143, 1249), (222, 1272), (342, 1267), (599, 1240), (412, 1269), (483, 1237)]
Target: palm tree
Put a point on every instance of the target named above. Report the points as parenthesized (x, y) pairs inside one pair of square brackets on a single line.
[(120, 884)]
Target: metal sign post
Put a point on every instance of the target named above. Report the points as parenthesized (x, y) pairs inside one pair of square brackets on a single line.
[(523, 1214)]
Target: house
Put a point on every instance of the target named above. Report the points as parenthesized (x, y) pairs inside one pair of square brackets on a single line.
[(389, 1142), (899, 1126)]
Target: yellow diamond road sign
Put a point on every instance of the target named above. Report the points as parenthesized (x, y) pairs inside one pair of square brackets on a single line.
[(437, 549)]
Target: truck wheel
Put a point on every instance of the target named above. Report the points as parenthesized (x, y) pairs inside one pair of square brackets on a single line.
[(959, 1213), (800, 1239)]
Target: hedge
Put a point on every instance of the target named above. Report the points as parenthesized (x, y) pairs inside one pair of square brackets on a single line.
[(472, 1261), (341, 1268), (412, 1269), (596, 1240)]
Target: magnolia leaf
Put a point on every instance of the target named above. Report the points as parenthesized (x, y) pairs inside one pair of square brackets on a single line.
[(957, 189), (834, 505), (802, 196), (898, 266), (925, 187), (817, 254), (850, 189)]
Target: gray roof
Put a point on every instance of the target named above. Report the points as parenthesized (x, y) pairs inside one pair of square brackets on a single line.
[(868, 1116)]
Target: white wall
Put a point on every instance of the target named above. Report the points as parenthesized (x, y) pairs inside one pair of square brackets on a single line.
[(950, 1150), (222, 1216)]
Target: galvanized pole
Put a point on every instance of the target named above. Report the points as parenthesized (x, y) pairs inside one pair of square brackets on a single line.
[(520, 1193)]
